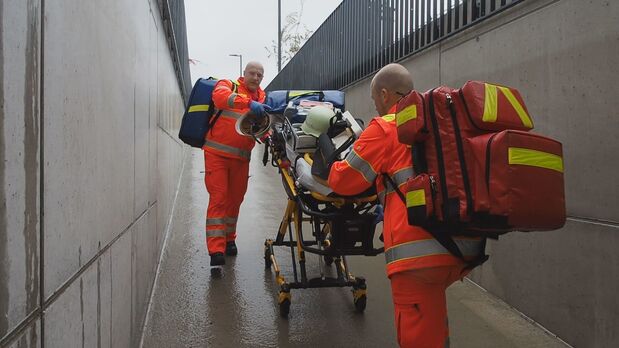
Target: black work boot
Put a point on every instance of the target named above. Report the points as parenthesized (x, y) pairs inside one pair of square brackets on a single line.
[(231, 249), (217, 259)]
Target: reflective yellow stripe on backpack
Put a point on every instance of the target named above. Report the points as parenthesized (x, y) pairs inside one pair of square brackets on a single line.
[(196, 108)]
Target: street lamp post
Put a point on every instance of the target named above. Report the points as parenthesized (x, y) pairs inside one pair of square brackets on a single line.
[(279, 35), (240, 62)]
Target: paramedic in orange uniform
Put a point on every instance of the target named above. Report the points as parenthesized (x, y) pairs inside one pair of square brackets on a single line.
[(226, 159), (420, 268)]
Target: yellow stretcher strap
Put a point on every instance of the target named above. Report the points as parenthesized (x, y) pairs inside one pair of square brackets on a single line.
[(528, 157)]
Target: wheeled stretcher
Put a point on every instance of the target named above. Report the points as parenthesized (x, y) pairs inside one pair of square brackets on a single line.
[(316, 221)]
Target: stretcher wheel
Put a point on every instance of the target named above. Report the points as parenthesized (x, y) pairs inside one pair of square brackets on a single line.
[(359, 294), (360, 303), (267, 257), (284, 303), (328, 260)]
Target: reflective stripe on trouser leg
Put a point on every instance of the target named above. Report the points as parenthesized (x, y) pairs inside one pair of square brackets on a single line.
[(216, 180), (230, 233)]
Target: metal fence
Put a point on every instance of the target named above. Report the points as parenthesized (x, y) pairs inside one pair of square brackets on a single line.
[(173, 16), (361, 36)]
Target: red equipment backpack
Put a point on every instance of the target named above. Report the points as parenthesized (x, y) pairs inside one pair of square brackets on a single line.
[(478, 169)]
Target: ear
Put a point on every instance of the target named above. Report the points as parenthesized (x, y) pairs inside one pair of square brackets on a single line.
[(384, 95)]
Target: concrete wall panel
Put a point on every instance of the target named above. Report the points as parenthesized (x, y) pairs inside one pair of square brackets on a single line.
[(120, 304), (144, 260), (31, 337), (153, 81), (425, 73), (539, 273), (109, 90), (142, 105), (81, 316), (89, 127), (359, 101), (19, 163)]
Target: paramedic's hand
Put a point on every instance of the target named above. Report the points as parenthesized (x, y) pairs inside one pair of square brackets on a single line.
[(258, 109)]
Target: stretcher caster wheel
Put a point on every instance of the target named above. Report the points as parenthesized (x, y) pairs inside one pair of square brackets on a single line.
[(284, 303), (328, 260), (359, 294), (360, 303), (267, 257)]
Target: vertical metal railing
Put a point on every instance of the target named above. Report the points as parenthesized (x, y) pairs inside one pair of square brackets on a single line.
[(173, 17), (361, 36)]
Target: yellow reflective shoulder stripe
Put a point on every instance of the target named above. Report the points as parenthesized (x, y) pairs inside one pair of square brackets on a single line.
[(195, 108), (409, 113), (490, 103), (524, 117), (535, 158), (389, 117), (415, 198)]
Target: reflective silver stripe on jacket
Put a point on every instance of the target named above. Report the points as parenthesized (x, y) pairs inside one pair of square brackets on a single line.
[(231, 99), (428, 247), (362, 166), (220, 232), (228, 149), (215, 221), (400, 177), (230, 220), (231, 114)]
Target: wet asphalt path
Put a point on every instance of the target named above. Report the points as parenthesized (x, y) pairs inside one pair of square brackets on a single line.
[(236, 306)]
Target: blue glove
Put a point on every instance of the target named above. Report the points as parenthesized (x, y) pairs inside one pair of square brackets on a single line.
[(258, 109)]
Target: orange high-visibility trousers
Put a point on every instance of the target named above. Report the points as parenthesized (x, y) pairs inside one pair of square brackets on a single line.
[(421, 306), (226, 182)]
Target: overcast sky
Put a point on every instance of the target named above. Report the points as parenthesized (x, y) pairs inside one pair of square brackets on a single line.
[(217, 28)]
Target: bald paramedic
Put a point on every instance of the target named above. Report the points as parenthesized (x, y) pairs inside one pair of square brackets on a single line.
[(226, 159), (419, 268)]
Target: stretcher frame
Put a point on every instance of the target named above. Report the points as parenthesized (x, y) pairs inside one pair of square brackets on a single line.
[(340, 227)]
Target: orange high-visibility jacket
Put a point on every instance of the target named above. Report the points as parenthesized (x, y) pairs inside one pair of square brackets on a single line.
[(222, 139), (376, 153)]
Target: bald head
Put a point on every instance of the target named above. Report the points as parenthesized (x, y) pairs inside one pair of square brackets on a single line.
[(253, 74), (388, 85)]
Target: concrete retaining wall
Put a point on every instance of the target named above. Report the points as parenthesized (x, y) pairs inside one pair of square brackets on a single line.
[(89, 167), (563, 56)]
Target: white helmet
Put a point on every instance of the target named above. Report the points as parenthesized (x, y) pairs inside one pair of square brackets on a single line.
[(317, 121)]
